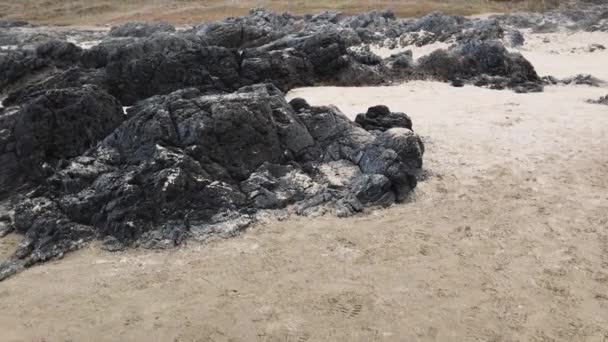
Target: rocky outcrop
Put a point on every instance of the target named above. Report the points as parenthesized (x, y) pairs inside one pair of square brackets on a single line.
[(485, 64), (189, 165), (137, 60)]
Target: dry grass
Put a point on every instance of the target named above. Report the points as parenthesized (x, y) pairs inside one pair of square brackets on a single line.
[(93, 12)]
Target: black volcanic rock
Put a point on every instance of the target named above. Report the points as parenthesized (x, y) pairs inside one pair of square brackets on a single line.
[(188, 165), (381, 118)]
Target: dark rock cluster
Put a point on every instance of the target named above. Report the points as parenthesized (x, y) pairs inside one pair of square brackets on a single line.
[(138, 60), (190, 165), (381, 118), (587, 16)]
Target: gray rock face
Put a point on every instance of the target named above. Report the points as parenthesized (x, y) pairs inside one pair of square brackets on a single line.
[(189, 165), (140, 29)]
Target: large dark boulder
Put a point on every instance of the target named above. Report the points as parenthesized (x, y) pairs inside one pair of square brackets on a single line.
[(473, 60), (189, 165), (381, 118), (160, 72), (51, 127)]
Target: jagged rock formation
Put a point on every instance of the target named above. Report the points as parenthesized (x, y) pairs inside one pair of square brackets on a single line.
[(135, 61), (487, 64), (579, 15), (189, 165)]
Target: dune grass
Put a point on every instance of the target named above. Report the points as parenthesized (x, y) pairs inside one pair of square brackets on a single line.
[(99, 12)]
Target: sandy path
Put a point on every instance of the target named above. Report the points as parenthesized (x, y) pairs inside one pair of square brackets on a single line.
[(508, 241)]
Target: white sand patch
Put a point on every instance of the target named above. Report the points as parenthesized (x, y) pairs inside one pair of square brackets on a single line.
[(417, 51), (83, 44), (562, 55), (89, 44)]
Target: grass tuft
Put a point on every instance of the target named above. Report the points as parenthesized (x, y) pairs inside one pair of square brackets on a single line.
[(100, 12)]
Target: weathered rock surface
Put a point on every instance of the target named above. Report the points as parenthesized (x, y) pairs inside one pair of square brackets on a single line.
[(189, 165), (138, 60)]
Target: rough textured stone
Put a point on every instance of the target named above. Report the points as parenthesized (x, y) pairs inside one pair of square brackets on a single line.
[(54, 126), (190, 165)]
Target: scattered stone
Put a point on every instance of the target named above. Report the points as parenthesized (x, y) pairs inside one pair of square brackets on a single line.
[(595, 47), (458, 83), (583, 79), (602, 100), (381, 118)]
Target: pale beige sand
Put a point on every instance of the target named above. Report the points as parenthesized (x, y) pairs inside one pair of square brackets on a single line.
[(508, 241), (563, 55)]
